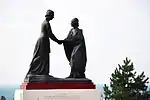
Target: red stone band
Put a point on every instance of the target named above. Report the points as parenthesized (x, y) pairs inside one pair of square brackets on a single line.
[(57, 85)]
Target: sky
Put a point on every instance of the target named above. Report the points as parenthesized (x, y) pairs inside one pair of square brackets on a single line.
[(113, 30)]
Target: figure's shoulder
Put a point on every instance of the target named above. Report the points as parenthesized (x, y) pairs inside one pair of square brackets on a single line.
[(80, 30), (71, 30), (45, 22), (77, 30)]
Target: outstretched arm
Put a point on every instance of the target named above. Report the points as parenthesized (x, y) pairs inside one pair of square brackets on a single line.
[(51, 35)]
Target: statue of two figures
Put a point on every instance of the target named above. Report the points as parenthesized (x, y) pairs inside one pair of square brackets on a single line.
[(74, 46)]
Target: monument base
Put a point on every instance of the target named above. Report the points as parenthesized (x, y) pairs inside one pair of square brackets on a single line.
[(58, 94), (45, 87)]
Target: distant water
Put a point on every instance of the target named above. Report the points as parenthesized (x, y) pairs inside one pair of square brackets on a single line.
[(8, 91)]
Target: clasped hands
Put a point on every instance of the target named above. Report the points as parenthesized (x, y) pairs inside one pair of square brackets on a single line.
[(60, 41)]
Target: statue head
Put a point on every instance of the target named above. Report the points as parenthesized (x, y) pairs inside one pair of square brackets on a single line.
[(49, 14), (75, 22)]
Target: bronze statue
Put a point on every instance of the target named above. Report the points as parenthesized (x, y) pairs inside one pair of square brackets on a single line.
[(75, 50), (40, 62)]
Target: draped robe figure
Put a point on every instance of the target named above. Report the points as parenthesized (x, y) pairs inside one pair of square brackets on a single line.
[(75, 50), (40, 62)]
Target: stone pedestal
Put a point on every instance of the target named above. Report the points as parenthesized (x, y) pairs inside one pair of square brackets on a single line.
[(57, 89), (58, 94)]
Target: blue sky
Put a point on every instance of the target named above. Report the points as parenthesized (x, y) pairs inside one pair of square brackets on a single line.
[(113, 30)]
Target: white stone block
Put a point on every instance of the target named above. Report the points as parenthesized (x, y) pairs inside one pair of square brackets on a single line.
[(58, 94)]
